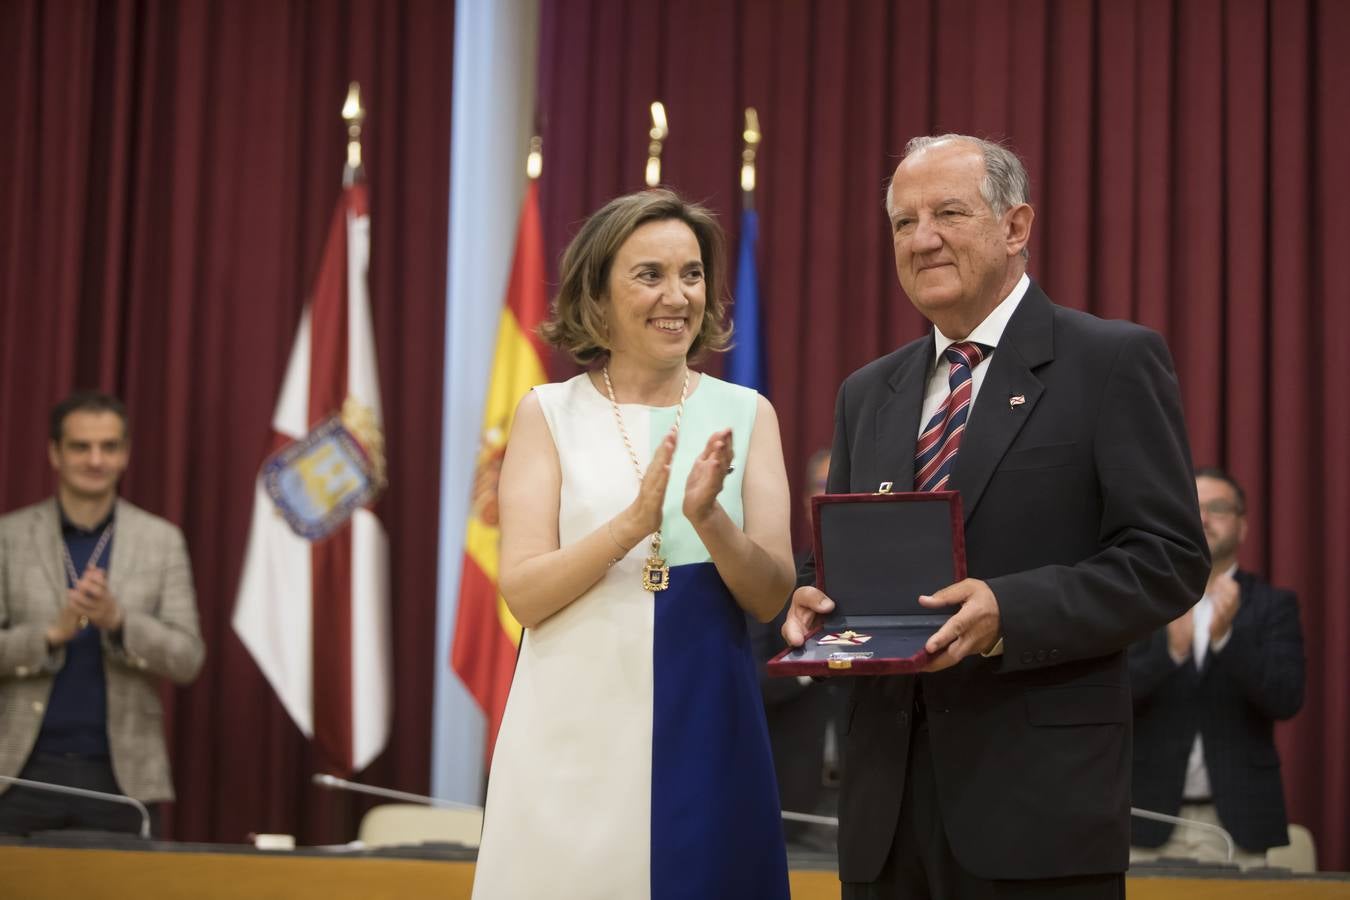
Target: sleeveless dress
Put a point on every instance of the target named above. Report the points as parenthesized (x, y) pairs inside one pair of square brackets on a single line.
[(633, 758)]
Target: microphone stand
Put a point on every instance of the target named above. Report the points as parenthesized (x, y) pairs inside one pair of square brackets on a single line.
[(1187, 823), (81, 792), (341, 784)]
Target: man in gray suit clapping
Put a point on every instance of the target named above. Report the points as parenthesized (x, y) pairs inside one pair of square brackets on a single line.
[(96, 605)]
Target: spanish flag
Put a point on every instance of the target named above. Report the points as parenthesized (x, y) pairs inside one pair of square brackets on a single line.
[(483, 653)]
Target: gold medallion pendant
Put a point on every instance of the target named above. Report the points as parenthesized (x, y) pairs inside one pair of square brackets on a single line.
[(655, 574)]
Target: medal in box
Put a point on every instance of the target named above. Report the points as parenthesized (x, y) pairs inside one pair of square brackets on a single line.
[(875, 554)]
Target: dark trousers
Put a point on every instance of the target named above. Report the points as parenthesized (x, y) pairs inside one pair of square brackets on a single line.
[(921, 865), (25, 810)]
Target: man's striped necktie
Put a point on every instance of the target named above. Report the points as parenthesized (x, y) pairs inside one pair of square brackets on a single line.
[(935, 454)]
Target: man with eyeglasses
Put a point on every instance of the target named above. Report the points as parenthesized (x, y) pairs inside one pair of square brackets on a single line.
[(1208, 690)]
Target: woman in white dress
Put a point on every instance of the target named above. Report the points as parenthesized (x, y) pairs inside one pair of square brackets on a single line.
[(644, 510)]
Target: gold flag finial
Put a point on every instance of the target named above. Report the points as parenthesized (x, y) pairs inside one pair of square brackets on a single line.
[(751, 136), (534, 163), (353, 113), (658, 134)]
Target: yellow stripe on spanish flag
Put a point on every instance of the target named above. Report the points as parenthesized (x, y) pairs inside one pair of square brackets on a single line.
[(486, 635)]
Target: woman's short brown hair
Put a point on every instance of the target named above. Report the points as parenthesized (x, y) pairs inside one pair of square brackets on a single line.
[(576, 321)]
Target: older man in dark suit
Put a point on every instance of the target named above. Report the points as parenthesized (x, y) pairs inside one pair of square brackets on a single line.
[(1208, 690), (1003, 770)]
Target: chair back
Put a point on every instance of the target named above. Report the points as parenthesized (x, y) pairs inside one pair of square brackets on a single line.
[(392, 824), (1299, 856)]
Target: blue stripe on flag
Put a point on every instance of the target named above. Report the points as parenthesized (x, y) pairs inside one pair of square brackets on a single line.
[(746, 364)]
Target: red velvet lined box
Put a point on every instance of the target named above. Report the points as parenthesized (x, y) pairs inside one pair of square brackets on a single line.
[(875, 555)]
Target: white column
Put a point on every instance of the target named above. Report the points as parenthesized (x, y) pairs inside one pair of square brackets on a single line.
[(491, 121)]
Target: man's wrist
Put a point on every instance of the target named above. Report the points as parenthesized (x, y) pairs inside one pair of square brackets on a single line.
[(114, 628), (996, 650)]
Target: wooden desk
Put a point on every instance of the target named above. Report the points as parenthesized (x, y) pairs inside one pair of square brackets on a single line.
[(42, 873)]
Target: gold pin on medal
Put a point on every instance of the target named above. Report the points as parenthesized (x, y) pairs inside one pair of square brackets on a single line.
[(846, 637)]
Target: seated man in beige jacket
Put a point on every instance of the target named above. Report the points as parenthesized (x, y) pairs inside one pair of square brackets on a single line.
[(96, 606)]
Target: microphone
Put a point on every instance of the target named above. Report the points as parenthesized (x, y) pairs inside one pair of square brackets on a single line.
[(341, 784), (81, 792), (1187, 823)]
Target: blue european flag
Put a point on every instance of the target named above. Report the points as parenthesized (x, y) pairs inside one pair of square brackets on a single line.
[(746, 364)]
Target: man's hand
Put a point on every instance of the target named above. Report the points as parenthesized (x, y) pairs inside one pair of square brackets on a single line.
[(67, 623), (1226, 599), (973, 629), (1181, 636), (91, 599), (808, 605)]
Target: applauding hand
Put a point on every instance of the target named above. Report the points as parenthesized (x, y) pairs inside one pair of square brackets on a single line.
[(91, 598), (1227, 599), (643, 515), (706, 477)]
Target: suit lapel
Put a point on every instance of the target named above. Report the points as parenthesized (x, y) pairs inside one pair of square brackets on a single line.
[(46, 537), (898, 417), (123, 546), (999, 414)]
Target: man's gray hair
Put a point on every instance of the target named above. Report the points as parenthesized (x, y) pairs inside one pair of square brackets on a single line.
[(1005, 182)]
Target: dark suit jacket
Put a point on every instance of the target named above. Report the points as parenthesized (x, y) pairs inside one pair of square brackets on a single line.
[(1233, 701), (1080, 513)]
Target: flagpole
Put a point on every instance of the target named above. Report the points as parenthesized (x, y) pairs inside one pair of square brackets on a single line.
[(486, 636), (745, 362), (534, 162), (354, 114), (658, 134), (312, 606), (751, 137)]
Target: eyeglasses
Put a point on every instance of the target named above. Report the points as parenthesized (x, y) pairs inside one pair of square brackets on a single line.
[(1220, 509)]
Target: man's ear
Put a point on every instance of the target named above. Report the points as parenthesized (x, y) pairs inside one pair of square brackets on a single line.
[(53, 454), (1017, 227)]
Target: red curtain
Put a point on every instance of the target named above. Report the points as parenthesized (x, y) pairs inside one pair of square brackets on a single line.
[(1188, 172), (169, 169)]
